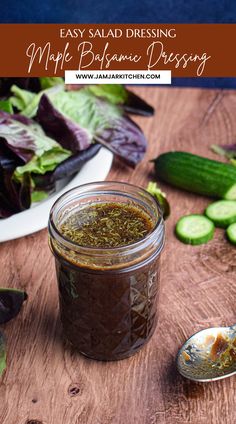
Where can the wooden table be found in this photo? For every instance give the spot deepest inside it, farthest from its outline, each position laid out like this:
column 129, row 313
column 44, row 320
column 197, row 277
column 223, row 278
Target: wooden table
column 47, row 383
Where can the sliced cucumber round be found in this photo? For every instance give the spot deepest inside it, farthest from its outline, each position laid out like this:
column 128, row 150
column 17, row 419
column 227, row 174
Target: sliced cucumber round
column 194, row 229
column 231, row 233
column 222, row 212
column 231, row 193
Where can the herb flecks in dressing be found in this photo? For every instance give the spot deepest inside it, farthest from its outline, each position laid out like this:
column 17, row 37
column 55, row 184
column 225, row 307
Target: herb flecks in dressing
column 107, row 225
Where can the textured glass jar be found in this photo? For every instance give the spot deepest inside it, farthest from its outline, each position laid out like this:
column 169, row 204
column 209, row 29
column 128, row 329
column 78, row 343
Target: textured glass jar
column 108, row 296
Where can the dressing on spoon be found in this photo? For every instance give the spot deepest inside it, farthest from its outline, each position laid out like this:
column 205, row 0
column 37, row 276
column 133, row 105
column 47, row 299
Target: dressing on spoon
column 209, row 355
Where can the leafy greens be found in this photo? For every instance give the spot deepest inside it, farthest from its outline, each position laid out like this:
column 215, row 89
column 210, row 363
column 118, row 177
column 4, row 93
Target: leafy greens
column 14, row 196
column 117, row 94
column 57, row 129
column 78, row 118
column 11, row 301
column 26, row 139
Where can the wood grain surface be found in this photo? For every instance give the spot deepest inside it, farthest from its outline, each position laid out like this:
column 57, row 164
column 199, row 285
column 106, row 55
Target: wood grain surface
column 46, row 382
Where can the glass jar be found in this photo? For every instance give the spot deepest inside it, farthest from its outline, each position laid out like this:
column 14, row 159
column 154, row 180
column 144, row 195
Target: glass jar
column 108, row 296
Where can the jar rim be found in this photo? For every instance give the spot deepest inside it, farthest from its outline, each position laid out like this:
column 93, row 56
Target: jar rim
column 54, row 231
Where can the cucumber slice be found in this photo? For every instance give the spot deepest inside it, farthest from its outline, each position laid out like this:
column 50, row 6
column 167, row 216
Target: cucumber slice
column 231, row 193
column 231, row 233
column 222, row 212
column 194, row 229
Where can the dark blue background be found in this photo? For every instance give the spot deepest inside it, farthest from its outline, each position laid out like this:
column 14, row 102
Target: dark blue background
column 126, row 11
column 120, row 11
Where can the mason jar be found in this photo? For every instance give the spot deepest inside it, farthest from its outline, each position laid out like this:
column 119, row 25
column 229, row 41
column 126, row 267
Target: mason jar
column 108, row 296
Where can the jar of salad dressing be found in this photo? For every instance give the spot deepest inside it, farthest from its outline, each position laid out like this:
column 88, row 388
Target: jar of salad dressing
column 107, row 238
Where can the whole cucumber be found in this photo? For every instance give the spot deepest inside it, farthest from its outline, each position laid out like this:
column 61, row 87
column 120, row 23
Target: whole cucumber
column 197, row 174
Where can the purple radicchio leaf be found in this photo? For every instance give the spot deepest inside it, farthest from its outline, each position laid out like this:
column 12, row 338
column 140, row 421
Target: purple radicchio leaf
column 25, row 137
column 14, row 197
column 11, row 301
column 73, row 164
column 137, row 106
column 58, row 126
column 78, row 117
column 125, row 139
column 15, row 136
column 67, row 168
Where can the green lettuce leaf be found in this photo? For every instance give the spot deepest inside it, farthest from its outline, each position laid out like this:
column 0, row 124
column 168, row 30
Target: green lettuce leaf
column 6, row 106
column 118, row 95
column 27, row 139
column 27, row 102
column 38, row 196
column 48, row 82
column 83, row 108
column 114, row 93
column 22, row 98
column 47, row 161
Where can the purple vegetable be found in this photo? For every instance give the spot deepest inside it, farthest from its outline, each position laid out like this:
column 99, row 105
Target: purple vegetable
column 73, row 164
column 66, row 168
column 15, row 137
column 69, row 134
column 11, row 301
column 125, row 139
column 105, row 124
column 134, row 104
column 14, row 197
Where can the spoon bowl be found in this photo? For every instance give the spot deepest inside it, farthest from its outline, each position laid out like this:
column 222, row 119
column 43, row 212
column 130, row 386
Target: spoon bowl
column 209, row 355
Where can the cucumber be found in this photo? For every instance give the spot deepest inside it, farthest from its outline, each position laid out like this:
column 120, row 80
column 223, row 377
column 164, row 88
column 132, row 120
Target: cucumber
column 194, row 229
column 222, row 212
column 197, row 174
column 231, row 233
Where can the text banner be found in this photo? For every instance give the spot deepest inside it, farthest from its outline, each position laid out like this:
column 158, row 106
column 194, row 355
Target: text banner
column 187, row 50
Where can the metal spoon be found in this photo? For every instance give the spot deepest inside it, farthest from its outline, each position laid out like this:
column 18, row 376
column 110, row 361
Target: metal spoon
column 209, row 354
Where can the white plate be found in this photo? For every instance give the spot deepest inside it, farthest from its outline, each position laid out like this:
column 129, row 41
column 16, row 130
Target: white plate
column 36, row 218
